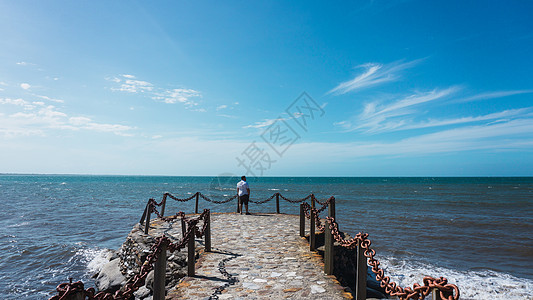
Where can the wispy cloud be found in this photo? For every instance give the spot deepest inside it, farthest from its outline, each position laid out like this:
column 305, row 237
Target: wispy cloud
column 24, row 63
column 264, row 123
column 223, row 106
column 184, row 96
column 130, row 84
column 492, row 95
column 37, row 117
column 509, row 135
column 373, row 74
column 25, row 86
column 376, row 116
column 406, row 113
column 49, row 99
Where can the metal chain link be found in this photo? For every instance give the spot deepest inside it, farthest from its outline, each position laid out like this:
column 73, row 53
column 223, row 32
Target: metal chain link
column 181, row 200
column 294, row 201
column 264, row 201
column 217, row 202
column 66, row 289
column 447, row 291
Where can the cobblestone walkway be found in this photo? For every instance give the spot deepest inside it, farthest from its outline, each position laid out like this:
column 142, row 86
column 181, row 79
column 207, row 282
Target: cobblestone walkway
column 264, row 257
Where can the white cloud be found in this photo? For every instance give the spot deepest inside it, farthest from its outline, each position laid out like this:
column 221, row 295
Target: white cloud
column 24, row 63
column 49, row 99
column 374, row 74
column 500, row 136
column 129, row 83
column 262, row 124
column 179, row 95
column 492, row 95
column 25, row 86
column 376, row 116
column 223, row 106
column 37, row 118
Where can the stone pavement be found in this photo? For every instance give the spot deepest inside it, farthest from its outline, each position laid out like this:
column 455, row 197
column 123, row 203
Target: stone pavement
column 261, row 256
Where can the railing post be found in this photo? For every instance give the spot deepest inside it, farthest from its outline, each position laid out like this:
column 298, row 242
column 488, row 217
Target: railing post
column 328, row 241
column 312, row 238
column 360, row 273
column 331, row 208
column 208, row 232
column 302, row 220
column 191, row 252
column 160, row 268
column 163, row 204
column 277, row 203
column 148, row 212
column 144, row 213
column 183, row 228
column 328, row 250
column 197, row 198
column 436, row 294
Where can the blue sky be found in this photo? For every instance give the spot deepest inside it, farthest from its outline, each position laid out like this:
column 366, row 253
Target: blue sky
column 299, row 88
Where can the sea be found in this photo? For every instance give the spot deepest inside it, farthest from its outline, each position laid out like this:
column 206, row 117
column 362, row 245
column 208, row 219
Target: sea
column 476, row 231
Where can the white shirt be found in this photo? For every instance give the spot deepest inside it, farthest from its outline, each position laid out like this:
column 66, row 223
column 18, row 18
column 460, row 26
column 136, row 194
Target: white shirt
column 243, row 187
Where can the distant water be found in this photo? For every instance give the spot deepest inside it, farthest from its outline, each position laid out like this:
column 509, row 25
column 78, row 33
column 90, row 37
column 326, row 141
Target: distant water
column 477, row 232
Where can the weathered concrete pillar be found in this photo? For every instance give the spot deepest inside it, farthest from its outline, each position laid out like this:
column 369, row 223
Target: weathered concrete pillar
column 302, row 220
column 312, row 237
column 360, row 279
column 208, row 233
column 277, row 203
column 197, row 199
column 160, row 268
column 191, row 252
column 163, row 204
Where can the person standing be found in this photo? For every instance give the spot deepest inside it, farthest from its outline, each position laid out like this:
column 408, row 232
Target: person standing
column 243, row 193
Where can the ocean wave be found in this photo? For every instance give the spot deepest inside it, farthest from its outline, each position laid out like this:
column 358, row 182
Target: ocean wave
column 94, row 258
column 473, row 284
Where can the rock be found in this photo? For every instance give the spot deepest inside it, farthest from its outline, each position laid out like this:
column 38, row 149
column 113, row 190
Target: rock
column 150, row 280
column 142, row 293
column 316, row 289
column 110, row 278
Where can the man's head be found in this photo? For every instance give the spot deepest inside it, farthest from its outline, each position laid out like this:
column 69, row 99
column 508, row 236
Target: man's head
column 243, row 178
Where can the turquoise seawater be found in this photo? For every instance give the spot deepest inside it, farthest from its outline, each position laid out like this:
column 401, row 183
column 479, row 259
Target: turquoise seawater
column 477, row 232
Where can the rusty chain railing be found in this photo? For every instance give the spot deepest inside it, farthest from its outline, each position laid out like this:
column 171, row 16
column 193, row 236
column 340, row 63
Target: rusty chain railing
column 65, row 290
column 440, row 286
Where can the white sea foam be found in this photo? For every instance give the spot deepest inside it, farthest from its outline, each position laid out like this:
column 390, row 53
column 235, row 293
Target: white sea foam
column 19, row 224
column 483, row 284
column 95, row 258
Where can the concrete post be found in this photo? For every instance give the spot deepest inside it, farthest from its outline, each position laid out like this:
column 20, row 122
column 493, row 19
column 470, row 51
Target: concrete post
column 197, row 199
column 360, row 274
column 312, row 238
column 163, row 204
column 277, row 203
column 160, row 269
column 208, row 233
column 328, row 253
column 436, row 294
column 302, row 220
column 148, row 212
column 191, row 253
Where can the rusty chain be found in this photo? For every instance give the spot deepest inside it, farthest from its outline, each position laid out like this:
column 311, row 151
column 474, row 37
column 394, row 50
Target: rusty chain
column 181, row 200
column 126, row 292
column 294, row 201
column 447, row 291
column 217, row 202
column 264, row 201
